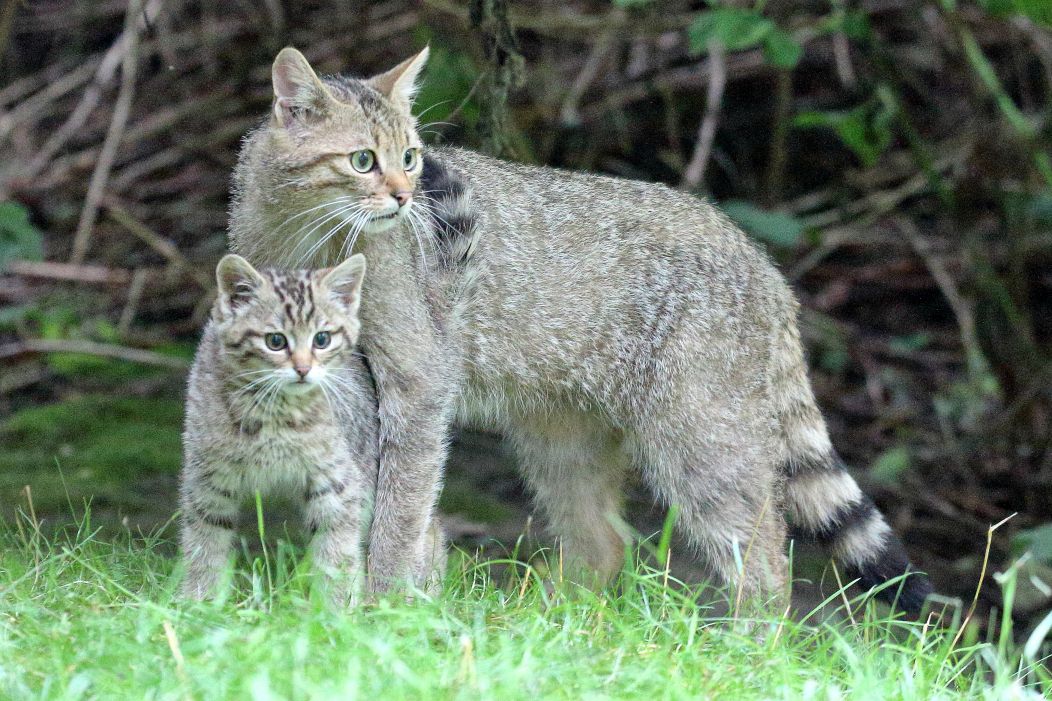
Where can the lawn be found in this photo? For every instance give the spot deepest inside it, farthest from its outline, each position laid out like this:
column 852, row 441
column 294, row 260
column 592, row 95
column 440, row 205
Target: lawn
column 84, row 616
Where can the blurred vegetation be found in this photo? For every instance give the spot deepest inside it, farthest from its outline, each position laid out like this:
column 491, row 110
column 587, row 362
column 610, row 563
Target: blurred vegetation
column 893, row 156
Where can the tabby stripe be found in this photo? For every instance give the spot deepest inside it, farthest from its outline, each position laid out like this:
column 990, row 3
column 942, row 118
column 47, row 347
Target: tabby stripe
column 241, row 341
column 333, row 487
column 846, row 517
column 225, row 493
column 215, row 520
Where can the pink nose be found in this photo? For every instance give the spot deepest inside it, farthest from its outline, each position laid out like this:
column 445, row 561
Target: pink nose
column 302, row 370
column 403, row 196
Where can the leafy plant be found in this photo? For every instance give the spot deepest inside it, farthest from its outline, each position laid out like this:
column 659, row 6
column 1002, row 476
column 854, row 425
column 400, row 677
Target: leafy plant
column 891, row 464
column 866, row 129
column 776, row 228
column 19, row 239
column 1039, row 11
column 1038, row 541
column 739, row 28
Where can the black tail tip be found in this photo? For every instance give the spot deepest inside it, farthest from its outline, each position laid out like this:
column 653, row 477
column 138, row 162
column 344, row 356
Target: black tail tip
column 908, row 593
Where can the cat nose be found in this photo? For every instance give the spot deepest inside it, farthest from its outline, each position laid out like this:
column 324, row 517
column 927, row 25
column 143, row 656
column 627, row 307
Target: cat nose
column 402, row 197
column 301, row 370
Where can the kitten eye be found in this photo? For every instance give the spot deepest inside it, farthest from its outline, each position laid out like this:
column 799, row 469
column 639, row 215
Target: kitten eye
column 276, row 341
column 322, row 339
column 363, row 161
column 410, row 158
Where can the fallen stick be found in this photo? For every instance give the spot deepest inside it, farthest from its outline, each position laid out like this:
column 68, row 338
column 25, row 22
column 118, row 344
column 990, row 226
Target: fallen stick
column 68, row 272
column 104, row 350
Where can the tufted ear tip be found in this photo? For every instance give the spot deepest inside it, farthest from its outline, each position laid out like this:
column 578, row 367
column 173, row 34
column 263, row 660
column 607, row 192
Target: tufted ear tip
column 298, row 90
column 400, row 83
column 237, row 280
column 345, row 280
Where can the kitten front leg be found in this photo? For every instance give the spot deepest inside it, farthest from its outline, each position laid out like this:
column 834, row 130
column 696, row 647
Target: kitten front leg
column 207, row 539
column 334, row 515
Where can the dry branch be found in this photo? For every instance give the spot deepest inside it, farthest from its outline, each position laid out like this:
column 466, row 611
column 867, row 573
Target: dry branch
column 32, row 346
column 121, row 111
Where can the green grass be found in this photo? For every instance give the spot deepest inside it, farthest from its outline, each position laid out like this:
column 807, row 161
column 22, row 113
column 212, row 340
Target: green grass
column 91, row 447
column 86, row 618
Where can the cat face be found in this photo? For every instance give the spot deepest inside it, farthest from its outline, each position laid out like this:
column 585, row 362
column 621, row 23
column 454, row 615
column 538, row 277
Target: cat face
column 287, row 333
column 344, row 152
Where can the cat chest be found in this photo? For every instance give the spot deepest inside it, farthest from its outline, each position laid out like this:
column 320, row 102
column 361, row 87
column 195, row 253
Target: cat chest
column 280, row 461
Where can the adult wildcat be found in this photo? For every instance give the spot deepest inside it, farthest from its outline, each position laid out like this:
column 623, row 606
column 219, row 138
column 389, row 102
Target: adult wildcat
column 602, row 325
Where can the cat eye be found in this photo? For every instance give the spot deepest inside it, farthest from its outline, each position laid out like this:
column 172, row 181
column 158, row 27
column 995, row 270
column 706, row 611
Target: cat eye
column 410, row 158
column 322, row 339
column 363, row 161
column 276, row 341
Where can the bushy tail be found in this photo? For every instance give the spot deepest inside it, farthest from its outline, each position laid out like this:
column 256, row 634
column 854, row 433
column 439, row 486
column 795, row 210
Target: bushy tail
column 824, row 502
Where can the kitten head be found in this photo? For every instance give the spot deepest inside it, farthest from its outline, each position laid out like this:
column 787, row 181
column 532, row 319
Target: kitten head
column 343, row 151
column 286, row 332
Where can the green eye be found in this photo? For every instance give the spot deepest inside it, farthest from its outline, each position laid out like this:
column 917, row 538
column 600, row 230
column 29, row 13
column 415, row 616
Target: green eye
column 276, row 341
column 363, row 161
column 322, row 339
column 410, row 158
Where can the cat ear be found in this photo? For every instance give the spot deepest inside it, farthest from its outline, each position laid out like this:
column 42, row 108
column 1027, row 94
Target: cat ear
column 399, row 83
column 345, row 281
column 298, row 91
column 237, row 280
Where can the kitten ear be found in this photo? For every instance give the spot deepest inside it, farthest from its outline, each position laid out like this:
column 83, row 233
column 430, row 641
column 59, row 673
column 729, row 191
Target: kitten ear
column 238, row 281
column 298, row 91
column 345, row 281
column 399, row 83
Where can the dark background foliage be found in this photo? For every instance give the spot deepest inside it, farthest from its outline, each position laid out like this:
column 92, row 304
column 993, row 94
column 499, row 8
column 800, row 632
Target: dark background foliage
column 892, row 155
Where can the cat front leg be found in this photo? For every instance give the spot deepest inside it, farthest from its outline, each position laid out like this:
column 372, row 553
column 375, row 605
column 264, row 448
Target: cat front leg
column 415, row 418
column 209, row 517
column 334, row 514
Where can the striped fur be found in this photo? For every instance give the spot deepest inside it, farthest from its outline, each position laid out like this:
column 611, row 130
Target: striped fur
column 823, row 501
column 602, row 325
column 253, row 423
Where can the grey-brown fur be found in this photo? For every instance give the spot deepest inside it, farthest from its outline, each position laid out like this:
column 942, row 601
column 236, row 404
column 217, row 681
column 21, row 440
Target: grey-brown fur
column 254, row 423
column 602, row 325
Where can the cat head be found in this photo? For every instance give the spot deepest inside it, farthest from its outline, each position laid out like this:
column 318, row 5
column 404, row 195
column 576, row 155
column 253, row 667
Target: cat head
column 289, row 332
column 347, row 147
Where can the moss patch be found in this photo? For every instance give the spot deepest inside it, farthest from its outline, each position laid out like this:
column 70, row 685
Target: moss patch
column 119, row 453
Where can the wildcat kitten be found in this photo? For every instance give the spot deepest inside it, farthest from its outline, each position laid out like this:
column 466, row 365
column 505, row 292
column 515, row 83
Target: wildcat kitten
column 602, row 325
column 278, row 400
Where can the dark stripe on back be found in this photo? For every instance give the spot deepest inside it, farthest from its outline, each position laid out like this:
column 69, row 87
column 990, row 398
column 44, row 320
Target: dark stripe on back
column 441, row 189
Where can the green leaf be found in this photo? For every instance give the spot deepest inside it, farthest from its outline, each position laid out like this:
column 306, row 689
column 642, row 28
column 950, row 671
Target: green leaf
column 891, row 464
column 910, row 342
column 1038, row 10
column 733, row 27
column 781, row 50
column 776, row 228
column 19, row 239
column 855, row 25
column 1037, row 540
column 866, row 129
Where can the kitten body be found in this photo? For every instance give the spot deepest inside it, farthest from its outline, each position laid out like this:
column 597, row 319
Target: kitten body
column 602, row 325
column 289, row 419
